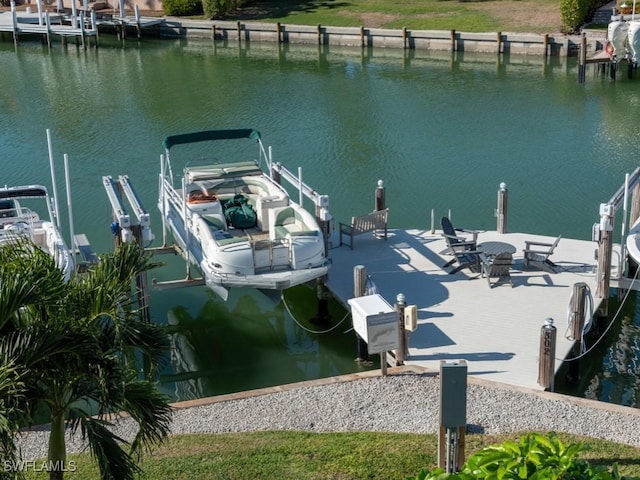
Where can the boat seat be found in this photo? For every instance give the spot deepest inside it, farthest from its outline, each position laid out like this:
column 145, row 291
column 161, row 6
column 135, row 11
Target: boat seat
column 215, row 221
column 289, row 221
column 7, row 209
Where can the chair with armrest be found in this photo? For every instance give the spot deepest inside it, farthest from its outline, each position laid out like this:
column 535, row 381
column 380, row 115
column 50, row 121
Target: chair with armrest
column 538, row 253
column 455, row 242
column 470, row 259
column 498, row 267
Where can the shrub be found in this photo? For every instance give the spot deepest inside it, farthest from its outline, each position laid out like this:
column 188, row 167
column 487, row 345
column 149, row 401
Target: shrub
column 573, row 14
column 221, row 8
column 182, row 8
column 535, row 456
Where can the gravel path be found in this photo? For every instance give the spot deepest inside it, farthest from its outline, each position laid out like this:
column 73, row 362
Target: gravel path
column 404, row 401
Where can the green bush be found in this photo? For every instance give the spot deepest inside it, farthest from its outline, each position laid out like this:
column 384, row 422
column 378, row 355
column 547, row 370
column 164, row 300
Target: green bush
column 573, row 14
column 534, row 457
column 182, row 8
column 221, row 8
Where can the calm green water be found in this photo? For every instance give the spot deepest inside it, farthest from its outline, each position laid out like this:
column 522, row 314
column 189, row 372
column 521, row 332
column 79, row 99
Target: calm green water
column 441, row 130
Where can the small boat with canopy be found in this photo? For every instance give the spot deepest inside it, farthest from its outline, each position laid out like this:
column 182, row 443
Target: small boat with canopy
column 232, row 220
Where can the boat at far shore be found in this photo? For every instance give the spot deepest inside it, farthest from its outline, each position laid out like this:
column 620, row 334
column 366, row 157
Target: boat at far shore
column 236, row 224
column 20, row 221
column 623, row 38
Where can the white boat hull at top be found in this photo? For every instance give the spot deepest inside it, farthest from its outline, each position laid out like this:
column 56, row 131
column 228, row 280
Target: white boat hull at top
column 19, row 221
column 633, row 242
column 238, row 226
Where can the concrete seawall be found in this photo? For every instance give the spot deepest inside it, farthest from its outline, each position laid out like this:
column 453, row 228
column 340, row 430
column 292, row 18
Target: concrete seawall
column 442, row 40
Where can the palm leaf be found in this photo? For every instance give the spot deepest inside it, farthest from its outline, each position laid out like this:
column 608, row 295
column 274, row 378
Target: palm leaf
column 151, row 411
column 113, row 460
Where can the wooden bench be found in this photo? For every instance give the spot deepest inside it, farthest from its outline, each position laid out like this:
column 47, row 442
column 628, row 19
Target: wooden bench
column 375, row 222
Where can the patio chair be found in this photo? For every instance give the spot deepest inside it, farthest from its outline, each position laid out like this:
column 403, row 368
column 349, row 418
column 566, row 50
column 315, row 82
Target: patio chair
column 456, row 242
column 538, row 253
column 465, row 259
column 498, row 267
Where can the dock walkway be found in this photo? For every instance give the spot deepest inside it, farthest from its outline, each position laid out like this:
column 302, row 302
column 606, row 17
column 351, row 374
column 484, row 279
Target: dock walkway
column 495, row 330
column 36, row 24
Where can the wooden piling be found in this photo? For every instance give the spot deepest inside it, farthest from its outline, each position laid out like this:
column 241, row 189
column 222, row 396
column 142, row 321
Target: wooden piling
column 605, row 247
column 453, row 40
column 501, row 213
column 547, row 359
column 578, row 302
column 582, row 59
column 499, row 42
column 380, row 199
column 279, row 32
column 362, row 39
column 577, row 321
column 359, row 290
column 322, row 297
column 401, row 352
column 319, row 34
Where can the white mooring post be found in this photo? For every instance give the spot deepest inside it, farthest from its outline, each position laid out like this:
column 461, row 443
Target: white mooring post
column 501, row 212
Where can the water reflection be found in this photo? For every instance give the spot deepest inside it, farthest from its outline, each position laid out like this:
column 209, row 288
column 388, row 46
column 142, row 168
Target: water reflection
column 252, row 342
column 611, row 373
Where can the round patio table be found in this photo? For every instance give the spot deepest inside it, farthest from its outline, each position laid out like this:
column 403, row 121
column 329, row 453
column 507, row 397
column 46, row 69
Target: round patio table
column 491, row 249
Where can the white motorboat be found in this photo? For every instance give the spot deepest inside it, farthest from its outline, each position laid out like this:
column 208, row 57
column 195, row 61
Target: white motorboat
column 236, row 224
column 19, row 220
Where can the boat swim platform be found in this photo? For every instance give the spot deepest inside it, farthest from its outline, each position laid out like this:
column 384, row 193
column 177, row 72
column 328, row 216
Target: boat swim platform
column 495, row 330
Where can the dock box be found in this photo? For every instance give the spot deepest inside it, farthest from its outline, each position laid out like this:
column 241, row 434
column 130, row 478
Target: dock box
column 376, row 322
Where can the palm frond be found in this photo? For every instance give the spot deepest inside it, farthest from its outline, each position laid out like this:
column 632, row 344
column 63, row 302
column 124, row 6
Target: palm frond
column 151, row 411
column 11, row 396
column 28, row 277
column 106, row 448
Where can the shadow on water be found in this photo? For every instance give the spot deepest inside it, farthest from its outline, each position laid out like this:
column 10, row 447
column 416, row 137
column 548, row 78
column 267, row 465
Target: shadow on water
column 253, row 342
column 610, row 372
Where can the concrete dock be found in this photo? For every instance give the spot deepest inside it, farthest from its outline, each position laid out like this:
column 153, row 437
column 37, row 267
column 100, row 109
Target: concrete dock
column 495, row 330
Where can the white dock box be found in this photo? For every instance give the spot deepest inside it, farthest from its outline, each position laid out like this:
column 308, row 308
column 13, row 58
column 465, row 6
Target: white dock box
column 376, row 322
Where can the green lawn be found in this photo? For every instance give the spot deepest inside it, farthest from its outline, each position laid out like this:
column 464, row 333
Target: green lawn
column 535, row 16
column 301, row 455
